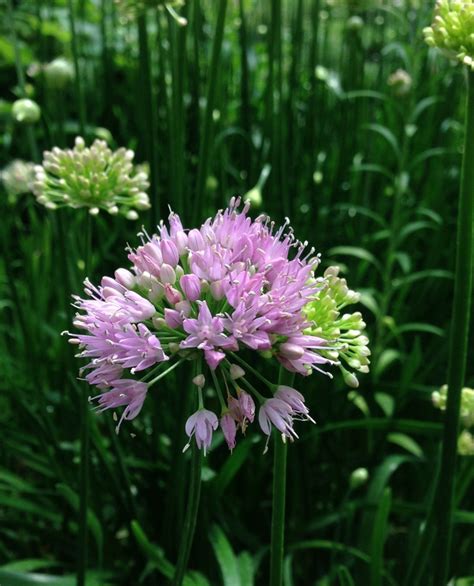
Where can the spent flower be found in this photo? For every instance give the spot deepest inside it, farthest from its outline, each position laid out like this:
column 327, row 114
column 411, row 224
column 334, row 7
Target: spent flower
column 92, row 177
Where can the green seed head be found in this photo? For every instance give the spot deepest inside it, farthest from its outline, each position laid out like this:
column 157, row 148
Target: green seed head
column 94, row 177
column 452, row 30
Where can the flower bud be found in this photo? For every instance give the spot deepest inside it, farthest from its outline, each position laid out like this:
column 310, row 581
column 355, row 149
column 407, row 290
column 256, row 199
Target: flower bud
column 167, row 274
column 169, row 252
column 195, row 240
column 191, row 286
column 26, row 111
column 125, row 278
column 199, row 381
column 358, row 477
column 291, row 351
column 236, row 372
column 58, row 73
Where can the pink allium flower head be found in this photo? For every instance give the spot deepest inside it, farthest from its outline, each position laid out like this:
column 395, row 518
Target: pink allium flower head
column 233, row 284
column 229, row 430
column 201, row 425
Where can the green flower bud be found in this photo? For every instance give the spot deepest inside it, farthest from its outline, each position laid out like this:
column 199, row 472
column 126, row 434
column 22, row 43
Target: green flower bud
column 26, row 111
column 358, row 477
column 354, row 23
column 59, row 73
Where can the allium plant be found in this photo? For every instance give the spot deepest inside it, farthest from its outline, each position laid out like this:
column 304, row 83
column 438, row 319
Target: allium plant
column 92, row 177
column 452, row 30
column 229, row 288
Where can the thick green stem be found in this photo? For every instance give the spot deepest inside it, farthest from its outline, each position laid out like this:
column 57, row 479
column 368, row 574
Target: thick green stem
column 457, row 349
column 77, row 72
column 191, row 515
column 279, row 493
column 205, row 145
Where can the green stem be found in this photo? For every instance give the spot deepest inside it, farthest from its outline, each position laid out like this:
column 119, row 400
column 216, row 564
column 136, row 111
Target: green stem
column 30, row 133
column 205, row 145
column 457, row 350
column 77, row 77
column 191, row 514
column 84, row 439
column 279, row 492
column 148, row 117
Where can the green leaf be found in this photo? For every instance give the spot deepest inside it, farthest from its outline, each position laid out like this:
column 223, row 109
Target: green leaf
column 226, row 558
column 379, row 536
column 344, row 577
column 419, row 328
column 246, row 569
column 387, row 135
column 356, row 252
column 92, row 521
column 386, row 403
column 407, row 443
column 386, row 359
column 29, row 565
column 420, row 275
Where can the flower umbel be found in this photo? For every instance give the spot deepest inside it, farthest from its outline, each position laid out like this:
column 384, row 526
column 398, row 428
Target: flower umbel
column 452, row 30
column 92, row 177
column 232, row 285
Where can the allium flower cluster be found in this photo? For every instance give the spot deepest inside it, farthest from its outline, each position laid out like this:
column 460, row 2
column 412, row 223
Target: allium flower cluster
column 92, row 177
column 17, row 178
column 452, row 30
column 344, row 332
column 466, row 438
column 208, row 295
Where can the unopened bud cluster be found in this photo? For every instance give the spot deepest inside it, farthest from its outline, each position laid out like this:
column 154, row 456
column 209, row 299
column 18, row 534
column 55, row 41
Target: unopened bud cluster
column 93, row 177
column 344, row 333
column 466, row 438
column 452, row 30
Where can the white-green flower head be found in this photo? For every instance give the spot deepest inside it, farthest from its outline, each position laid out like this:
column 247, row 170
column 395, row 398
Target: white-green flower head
column 440, row 398
column 344, row 333
column 17, row 178
column 59, row 73
column 92, row 177
column 466, row 443
column 452, row 30
column 401, row 82
column 25, row 111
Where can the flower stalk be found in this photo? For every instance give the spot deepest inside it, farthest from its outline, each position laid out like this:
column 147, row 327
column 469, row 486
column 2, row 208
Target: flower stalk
column 279, row 496
column 444, row 504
